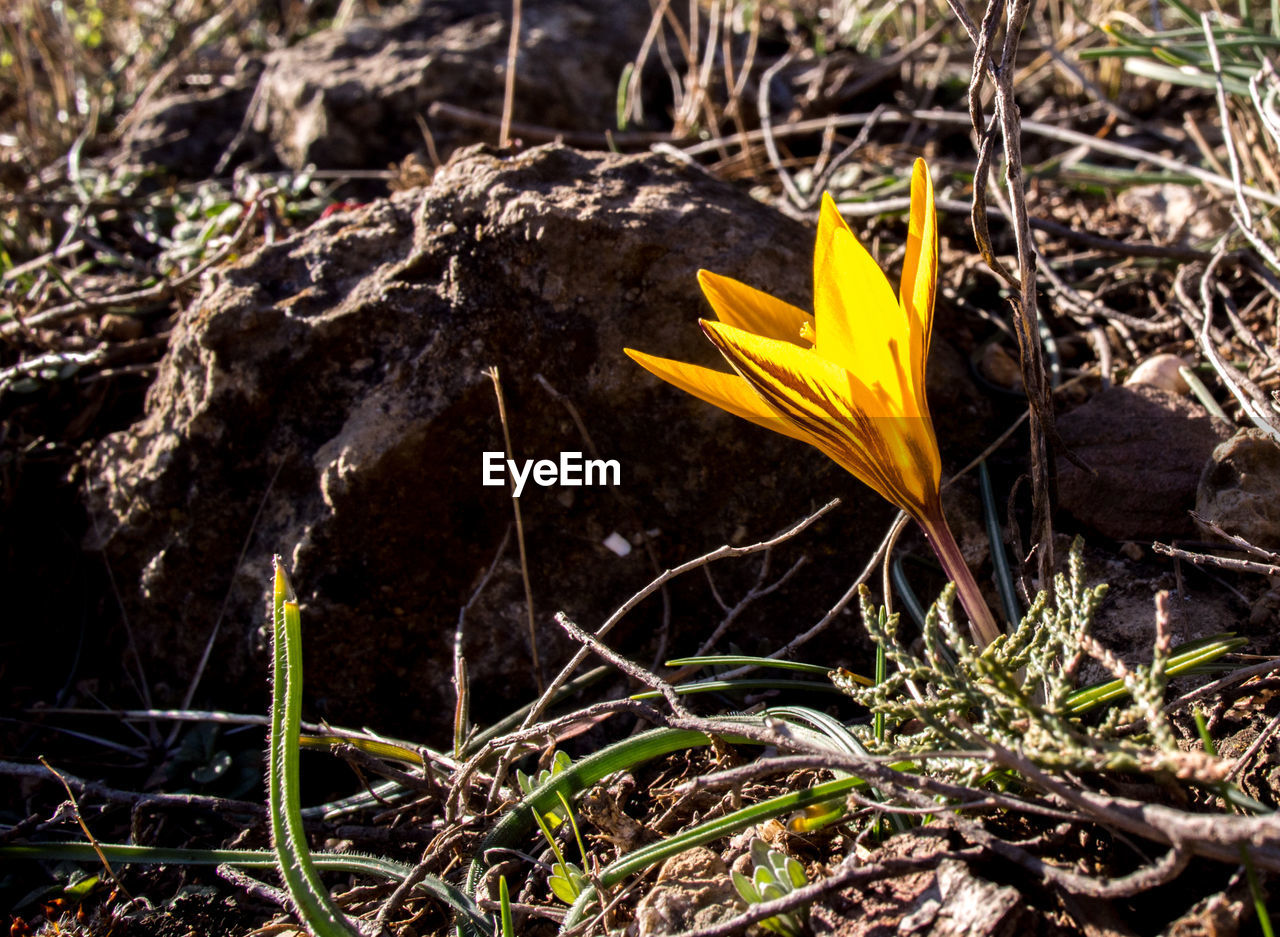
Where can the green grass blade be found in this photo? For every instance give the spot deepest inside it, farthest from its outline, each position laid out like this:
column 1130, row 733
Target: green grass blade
column 902, row 586
column 623, row 97
column 882, row 673
column 389, row 751
column 1257, row 894
column 1203, row 394
column 742, row 819
column 648, row 856
column 729, row 686
column 504, row 900
column 999, row 558
column 1159, row 71
column 1185, row 658
column 743, row 660
column 1190, row 15
column 310, row 898
column 843, row 739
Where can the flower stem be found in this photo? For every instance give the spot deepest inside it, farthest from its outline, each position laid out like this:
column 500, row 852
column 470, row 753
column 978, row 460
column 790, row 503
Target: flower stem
column 982, row 626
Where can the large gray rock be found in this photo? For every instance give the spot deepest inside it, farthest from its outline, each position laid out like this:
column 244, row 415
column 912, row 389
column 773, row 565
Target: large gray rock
column 1144, row 449
column 356, row 97
column 188, row 133
column 336, row 380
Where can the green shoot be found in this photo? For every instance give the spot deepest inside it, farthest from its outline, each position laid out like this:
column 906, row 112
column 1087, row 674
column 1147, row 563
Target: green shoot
column 774, row 875
column 625, row 103
column 999, row 559
column 573, row 824
column 1258, row 895
column 737, row 660
column 559, row 763
column 310, row 899
column 566, row 879
column 504, row 908
column 1202, row 729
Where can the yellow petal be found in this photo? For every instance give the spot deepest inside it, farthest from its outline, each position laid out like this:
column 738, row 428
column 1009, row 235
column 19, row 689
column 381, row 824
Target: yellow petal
column 726, row 391
column 857, row 426
column 859, row 322
column 920, row 272
column 750, row 309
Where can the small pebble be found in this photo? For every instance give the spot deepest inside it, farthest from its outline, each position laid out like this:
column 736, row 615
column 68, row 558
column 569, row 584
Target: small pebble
column 118, row 328
column 618, row 543
column 1161, row 371
column 1000, row 368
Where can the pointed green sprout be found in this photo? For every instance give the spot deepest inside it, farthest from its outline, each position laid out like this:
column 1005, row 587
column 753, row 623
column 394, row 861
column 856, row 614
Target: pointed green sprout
column 307, row 892
column 567, row 879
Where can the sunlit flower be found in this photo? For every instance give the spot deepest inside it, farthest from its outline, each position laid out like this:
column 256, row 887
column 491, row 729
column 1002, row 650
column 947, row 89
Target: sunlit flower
column 850, row 379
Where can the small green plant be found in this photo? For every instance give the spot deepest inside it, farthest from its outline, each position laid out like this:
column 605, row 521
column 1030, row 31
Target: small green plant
column 1019, row 693
column 207, row 761
column 307, row 893
column 567, row 880
column 773, row 875
column 1183, row 54
column 559, row 763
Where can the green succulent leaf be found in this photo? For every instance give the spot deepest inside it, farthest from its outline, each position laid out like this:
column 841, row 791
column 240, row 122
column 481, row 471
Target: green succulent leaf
column 746, row 887
column 774, row 875
column 566, row 881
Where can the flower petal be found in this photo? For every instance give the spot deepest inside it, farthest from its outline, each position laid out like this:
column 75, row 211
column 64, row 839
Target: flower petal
column 727, row 391
column 920, row 272
column 859, row 322
column 856, row 425
column 750, row 309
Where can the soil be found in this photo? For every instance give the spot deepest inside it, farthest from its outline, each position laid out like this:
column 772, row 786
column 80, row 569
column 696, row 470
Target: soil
column 250, row 290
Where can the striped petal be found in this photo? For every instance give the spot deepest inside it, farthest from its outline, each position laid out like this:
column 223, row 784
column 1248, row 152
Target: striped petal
column 858, row 319
column 750, row 309
column 726, row 391
column 859, row 427
column 920, row 274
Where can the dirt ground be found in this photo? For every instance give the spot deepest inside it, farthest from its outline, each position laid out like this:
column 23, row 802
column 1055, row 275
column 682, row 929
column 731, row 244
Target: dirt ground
column 189, row 198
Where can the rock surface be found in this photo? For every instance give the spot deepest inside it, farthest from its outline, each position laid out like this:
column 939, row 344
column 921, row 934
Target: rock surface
column 335, row 382
column 1173, row 213
column 1146, row 449
column 1240, row 488
column 949, row 901
column 188, row 133
column 358, row 97
column 693, row 890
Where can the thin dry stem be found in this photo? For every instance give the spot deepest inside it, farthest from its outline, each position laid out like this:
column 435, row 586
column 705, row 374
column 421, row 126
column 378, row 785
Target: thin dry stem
column 509, row 84
column 524, row 557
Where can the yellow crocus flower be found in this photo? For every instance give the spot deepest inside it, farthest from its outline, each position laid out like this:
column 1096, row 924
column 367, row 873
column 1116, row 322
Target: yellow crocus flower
column 850, row 379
